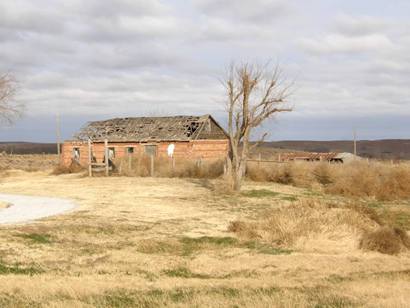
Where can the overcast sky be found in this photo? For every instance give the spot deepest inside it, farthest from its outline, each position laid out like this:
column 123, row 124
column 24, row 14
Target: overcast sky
column 99, row 59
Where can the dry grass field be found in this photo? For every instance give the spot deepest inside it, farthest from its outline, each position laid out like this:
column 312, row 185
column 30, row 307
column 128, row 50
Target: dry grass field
column 28, row 162
column 150, row 242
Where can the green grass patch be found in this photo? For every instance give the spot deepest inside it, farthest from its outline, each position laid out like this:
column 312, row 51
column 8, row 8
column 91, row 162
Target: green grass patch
column 227, row 292
column 396, row 218
column 266, row 249
column 334, row 278
column 213, row 240
column 121, row 298
column 259, row 193
column 186, row 246
column 330, row 301
column 183, row 272
column 192, row 244
column 192, row 297
column 402, row 220
column 375, row 204
column 36, row 238
column 312, row 193
column 116, row 298
column 290, row 198
column 17, row 269
column 322, row 297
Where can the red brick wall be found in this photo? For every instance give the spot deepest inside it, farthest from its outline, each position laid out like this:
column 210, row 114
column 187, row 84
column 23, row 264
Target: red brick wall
column 204, row 149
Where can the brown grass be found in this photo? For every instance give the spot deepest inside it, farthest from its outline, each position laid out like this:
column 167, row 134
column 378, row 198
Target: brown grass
column 308, row 224
column 154, row 242
column 183, row 168
column 378, row 180
column 74, row 167
column 29, row 162
column 385, row 240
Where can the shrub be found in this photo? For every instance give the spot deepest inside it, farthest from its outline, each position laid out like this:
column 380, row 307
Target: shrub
column 378, row 180
column 322, row 174
column 315, row 221
column 28, row 162
column 237, row 226
column 74, row 167
column 385, row 240
column 163, row 167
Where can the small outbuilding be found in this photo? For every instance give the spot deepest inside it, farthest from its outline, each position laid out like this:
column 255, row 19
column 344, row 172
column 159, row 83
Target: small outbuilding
column 188, row 137
column 334, row 157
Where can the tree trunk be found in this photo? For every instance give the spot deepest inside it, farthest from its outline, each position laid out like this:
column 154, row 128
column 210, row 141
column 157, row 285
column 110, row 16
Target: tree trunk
column 233, row 173
column 237, row 180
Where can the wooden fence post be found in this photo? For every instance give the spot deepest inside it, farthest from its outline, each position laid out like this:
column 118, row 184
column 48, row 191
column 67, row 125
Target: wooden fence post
column 259, row 160
column 90, row 167
column 107, row 165
column 152, row 165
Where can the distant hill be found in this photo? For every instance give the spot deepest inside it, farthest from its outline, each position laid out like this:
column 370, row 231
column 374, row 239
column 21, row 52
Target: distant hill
column 28, row 148
column 382, row 149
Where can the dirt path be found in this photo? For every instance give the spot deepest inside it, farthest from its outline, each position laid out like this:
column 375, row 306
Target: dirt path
column 28, row 208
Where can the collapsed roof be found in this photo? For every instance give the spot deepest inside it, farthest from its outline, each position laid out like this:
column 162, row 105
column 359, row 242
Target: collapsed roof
column 146, row 129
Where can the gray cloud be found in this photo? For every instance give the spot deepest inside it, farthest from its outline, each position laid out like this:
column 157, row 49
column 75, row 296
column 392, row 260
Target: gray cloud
column 336, row 43
column 360, row 25
column 97, row 58
column 24, row 16
column 256, row 11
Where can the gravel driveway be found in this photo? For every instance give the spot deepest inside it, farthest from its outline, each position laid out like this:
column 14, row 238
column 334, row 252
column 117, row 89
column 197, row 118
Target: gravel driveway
column 27, row 208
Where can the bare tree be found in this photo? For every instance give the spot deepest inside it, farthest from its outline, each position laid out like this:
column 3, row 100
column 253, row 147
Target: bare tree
column 9, row 110
column 255, row 94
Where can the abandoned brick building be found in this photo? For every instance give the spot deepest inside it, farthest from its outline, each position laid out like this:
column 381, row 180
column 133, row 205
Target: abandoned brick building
column 189, row 137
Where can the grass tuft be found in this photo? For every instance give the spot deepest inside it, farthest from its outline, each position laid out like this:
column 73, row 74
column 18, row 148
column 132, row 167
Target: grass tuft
column 259, row 193
column 74, row 167
column 289, row 198
column 385, row 240
column 305, row 219
column 17, row 269
column 266, row 249
column 184, row 272
column 36, row 238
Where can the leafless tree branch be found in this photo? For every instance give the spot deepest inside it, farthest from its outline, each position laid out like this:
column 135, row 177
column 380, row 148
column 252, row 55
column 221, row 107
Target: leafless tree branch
column 9, row 110
column 255, row 94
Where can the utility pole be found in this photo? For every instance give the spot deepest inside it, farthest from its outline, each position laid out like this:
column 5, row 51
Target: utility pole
column 354, row 142
column 58, row 134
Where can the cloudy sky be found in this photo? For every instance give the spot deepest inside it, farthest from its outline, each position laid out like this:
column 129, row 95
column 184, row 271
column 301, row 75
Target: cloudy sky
column 97, row 59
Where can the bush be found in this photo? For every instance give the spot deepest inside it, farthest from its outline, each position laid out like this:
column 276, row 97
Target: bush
column 385, row 240
column 323, row 174
column 306, row 219
column 28, row 162
column 356, row 179
column 74, row 167
column 183, row 168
